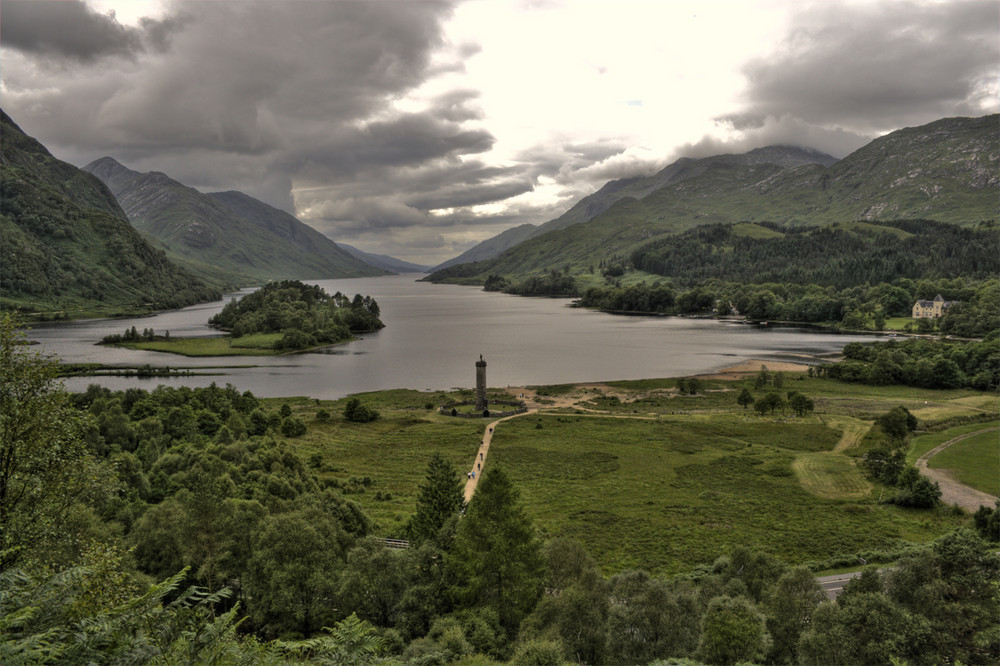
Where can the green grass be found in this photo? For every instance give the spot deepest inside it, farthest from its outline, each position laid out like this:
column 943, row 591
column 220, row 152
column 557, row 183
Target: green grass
column 668, row 495
column 690, row 480
column 830, row 475
column 975, row 461
column 924, row 443
column 217, row 346
column 255, row 341
column 257, row 344
column 897, row 323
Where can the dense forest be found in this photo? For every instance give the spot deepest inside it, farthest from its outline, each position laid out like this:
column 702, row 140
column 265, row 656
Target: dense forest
column 926, row 363
column 840, row 256
column 305, row 314
column 182, row 526
column 976, row 313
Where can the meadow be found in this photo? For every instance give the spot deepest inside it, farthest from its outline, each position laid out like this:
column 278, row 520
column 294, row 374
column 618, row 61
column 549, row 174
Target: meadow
column 974, row 461
column 254, row 344
column 645, row 477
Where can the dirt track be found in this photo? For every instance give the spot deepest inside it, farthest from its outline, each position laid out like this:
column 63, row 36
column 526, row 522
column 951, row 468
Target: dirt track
column 953, row 492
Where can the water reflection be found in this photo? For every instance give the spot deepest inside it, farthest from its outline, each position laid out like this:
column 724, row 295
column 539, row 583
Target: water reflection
column 434, row 334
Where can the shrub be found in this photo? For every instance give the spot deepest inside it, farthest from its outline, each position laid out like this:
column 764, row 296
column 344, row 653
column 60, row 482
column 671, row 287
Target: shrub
column 356, row 412
column 292, row 427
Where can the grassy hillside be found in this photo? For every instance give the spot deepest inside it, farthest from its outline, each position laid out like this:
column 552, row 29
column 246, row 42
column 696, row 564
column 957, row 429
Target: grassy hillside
column 945, row 171
column 229, row 233
column 645, row 477
column 68, row 249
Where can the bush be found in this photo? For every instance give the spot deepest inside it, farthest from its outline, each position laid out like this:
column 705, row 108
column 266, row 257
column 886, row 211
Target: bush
column 538, row 653
column 356, row 412
column 292, row 427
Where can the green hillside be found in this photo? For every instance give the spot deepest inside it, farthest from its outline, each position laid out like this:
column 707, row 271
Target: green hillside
column 229, row 232
column 945, row 171
column 68, row 249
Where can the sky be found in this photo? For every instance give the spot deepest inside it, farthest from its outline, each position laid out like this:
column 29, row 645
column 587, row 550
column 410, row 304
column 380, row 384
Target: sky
column 420, row 128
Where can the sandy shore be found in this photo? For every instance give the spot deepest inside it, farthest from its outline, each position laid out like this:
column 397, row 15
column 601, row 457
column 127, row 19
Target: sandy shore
column 741, row 370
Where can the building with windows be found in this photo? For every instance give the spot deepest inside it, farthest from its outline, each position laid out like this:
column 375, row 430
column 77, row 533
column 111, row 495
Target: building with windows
column 931, row 309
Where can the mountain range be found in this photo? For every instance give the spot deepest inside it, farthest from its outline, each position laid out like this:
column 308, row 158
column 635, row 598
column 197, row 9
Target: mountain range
column 68, row 249
column 227, row 233
column 948, row 171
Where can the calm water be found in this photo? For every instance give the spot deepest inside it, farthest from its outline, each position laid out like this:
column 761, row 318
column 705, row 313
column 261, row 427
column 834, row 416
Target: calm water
column 433, row 336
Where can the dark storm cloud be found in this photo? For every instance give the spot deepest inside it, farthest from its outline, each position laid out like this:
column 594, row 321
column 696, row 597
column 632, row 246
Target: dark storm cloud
column 256, row 95
column 876, row 67
column 71, row 30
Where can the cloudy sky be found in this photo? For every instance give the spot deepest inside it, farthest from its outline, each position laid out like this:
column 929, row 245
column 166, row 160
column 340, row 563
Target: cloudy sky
column 419, row 128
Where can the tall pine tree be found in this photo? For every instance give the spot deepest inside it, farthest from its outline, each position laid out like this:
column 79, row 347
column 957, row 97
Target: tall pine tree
column 497, row 557
column 439, row 499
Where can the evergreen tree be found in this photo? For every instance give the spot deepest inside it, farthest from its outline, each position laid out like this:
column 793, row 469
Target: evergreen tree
column 497, row 556
column 439, row 499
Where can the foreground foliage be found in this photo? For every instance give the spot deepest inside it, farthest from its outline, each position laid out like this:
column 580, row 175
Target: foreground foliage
column 264, row 560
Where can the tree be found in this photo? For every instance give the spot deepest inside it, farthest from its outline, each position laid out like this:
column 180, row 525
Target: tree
column 745, row 398
column 801, row 404
column 952, row 586
column 440, row 497
column 291, row 580
column 790, row 606
column 987, row 522
column 771, row 401
column 650, row 619
column 897, row 423
column 373, row 582
column 577, row 609
column 732, row 631
column 496, row 555
column 356, row 412
column 44, row 466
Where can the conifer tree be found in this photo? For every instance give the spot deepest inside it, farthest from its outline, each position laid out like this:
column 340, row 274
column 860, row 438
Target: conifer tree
column 497, row 556
column 439, row 499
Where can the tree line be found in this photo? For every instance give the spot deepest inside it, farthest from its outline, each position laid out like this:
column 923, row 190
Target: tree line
column 181, row 525
column 839, row 256
column 865, row 307
column 926, row 363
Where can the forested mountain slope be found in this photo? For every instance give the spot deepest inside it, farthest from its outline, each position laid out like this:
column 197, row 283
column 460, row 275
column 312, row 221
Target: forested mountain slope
column 636, row 187
column 945, row 171
column 67, row 246
column 229, row 231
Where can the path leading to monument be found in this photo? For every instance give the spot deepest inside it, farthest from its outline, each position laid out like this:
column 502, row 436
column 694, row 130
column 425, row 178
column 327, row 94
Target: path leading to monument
column 484, row 449
column 953, row 492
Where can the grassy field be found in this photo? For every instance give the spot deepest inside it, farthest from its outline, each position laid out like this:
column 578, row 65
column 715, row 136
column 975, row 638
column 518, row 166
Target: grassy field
column 257, row 344
column 646, row 478
column 975, row 461
column 924, row 443
column 217, row 346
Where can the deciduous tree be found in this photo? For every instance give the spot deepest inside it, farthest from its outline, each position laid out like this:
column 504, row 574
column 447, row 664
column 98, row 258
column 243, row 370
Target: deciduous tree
column 44, row 466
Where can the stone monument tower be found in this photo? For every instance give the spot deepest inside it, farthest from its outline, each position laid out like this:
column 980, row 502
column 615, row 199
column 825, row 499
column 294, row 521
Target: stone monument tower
column 480, row 384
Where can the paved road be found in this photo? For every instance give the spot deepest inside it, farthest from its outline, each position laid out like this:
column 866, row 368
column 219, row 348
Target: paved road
column 833, row 585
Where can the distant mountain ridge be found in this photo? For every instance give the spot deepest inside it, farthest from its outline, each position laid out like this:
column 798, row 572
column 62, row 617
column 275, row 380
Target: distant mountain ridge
column 637, row 187
column 68, row 248
column 491, row 247
column 227, row 231
column 948, row 170
column 384, row 261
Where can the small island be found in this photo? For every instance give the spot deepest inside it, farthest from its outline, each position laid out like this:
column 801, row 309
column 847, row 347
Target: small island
column 282, row 317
